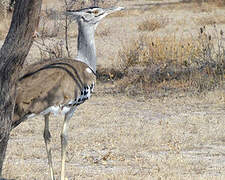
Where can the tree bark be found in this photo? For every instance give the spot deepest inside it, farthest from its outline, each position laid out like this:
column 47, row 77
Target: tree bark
column 12, row 56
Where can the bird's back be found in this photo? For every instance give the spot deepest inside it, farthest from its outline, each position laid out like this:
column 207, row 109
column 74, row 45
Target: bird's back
column 52, row 83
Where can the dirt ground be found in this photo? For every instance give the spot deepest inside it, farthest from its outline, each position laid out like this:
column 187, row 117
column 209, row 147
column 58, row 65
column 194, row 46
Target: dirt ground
column 116, row 137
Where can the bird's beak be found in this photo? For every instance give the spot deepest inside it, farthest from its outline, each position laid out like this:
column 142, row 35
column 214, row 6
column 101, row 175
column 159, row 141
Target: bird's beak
column 73, row 13
column 113, row 9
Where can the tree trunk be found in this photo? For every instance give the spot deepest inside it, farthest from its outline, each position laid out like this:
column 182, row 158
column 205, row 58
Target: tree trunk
column 12, row 56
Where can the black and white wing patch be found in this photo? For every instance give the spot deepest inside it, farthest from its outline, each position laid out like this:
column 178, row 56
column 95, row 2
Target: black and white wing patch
column 85, row 94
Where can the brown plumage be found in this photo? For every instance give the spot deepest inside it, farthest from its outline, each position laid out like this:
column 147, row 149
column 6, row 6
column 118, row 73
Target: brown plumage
column 50, row 83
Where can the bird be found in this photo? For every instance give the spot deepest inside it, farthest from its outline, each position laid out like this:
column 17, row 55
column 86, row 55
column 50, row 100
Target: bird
column 59, row 86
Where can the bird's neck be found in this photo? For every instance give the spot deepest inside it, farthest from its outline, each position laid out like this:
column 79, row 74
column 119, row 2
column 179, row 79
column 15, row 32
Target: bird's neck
column 86, row 45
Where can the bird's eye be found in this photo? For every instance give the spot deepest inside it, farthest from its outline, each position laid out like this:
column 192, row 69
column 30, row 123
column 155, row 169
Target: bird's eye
column 95, row 12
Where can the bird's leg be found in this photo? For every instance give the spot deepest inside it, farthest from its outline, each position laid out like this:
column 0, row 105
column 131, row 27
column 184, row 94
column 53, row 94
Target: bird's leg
column 64, row 135
column 47, row 138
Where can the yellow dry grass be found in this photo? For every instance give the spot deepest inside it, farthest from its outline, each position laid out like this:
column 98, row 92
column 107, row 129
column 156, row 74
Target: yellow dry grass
column 119, row 137
column 161, row 49
column 153, row 23
column 211, row 20
column 122, row 138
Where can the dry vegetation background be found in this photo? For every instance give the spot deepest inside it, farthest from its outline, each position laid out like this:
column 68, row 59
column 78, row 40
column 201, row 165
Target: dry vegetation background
column 158, row 110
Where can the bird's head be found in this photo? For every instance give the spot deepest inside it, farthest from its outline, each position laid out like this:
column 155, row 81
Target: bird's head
column 91, row 15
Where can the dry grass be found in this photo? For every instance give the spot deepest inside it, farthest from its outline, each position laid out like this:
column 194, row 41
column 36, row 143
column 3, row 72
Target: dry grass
column 50, row 24
column 127, row 13
column 177, row 136
column 170, row 63
column 4, row 27
column 212, row 2
column 105, row 31
column 122, row 138
column 190, row 5
column 153, row 23
column 203, row 21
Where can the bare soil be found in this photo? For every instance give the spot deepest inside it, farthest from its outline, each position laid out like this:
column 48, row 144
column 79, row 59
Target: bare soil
column 116, row 137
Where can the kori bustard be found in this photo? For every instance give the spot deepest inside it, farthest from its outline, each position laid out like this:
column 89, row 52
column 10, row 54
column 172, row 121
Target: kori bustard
column 60, row 85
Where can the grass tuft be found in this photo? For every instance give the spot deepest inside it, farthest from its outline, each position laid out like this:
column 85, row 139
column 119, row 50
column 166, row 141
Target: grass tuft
column 153, row 24
column 169, row 63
